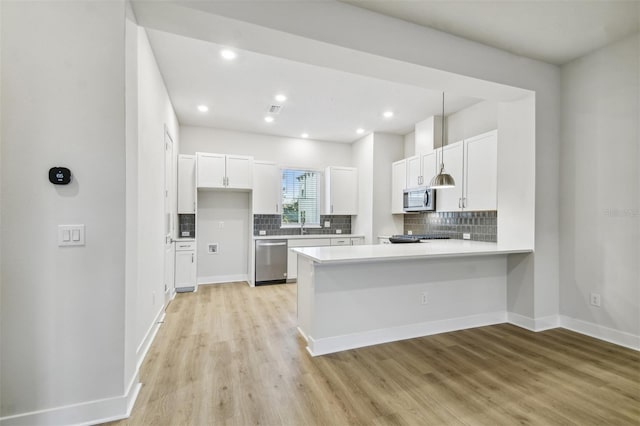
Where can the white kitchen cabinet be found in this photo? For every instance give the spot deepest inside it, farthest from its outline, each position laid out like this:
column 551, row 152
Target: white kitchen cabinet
column 398, row 182
column 414, row 171
column 429, row 164
column 185, row 266
column 357, row 241
column 345, row 241
column 186, row 184
column 473, row 164
column 224, row 171
column 481, row 172
column 449, row 199
column 341, row 190
column 266, row 188
column 292, row 257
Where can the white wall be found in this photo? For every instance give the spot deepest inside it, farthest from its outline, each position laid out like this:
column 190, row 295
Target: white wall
column 409, row 144
column 387, row 148
column 155, row 111
column 63, row 309
column 223, row 218
column 362, row 153
column 284, row 151
column 471, row 121
column 600, row 223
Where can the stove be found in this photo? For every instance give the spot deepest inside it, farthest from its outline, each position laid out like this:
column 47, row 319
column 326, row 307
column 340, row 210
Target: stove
column 416, row 238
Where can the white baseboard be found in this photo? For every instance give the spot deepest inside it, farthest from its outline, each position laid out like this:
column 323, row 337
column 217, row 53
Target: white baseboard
column 219, row 279
column 150, row 335
column 597, row 331
column 374, row 337
column 86, row 413
column 533, row 324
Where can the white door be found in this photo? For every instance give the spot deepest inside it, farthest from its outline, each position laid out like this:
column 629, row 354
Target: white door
column 210, row 170
column 449, row 199
column 169, row 225
column 239, row 171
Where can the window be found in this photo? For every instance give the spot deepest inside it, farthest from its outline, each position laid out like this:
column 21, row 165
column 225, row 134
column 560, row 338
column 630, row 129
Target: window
column 300, row 197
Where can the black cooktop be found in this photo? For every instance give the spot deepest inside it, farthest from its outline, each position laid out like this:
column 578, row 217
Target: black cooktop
column 415, row 238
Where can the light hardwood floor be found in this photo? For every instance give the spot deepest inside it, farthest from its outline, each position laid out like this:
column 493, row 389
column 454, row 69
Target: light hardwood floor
column 230, row 354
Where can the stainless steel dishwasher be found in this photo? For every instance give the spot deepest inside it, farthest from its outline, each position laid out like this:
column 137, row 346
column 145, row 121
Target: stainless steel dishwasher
column 271, row 261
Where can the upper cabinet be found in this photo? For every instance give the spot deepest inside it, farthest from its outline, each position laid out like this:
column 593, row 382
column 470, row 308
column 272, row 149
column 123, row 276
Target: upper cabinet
column 266, row 188
column 481, row 172
column 186, row 184
column 414, row 171
column 224, row 171
column 473, row 163
column 341, row 189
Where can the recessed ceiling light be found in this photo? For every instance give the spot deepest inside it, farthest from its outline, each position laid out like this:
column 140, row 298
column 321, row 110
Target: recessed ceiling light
column 305, row 135
column 360, row 131
column 281, row 98
column 203, row 108
column 388, row 114
column 228, row 54
column 268, row 119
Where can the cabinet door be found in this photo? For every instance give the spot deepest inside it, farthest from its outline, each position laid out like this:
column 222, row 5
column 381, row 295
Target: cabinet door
column 239, row 172
column 341, row 241
column 449, row 199
column 210, row 170
column 481, row 172
column 414, row 172
column 429, row 165
column 186, row 184
column 292, row 265
column 185, row 269
column 341, row 190
column 357, row 241
column 398, row 182
column 266, row 188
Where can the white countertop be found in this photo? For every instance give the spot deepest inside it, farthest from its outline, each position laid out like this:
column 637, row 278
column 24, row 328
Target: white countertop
column 382, row 252
column 305, row 236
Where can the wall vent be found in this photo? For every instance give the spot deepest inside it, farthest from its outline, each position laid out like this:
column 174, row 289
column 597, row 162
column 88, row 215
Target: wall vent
column 275, row 109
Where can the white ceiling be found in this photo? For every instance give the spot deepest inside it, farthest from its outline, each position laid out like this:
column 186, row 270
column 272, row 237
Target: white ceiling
column 551, row 31
column 327, row 104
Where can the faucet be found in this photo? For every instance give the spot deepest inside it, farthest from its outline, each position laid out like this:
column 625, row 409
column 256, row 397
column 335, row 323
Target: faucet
column 303, row 220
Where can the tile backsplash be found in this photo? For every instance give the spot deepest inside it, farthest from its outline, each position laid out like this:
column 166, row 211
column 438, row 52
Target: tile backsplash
column 187, row 223
column 271, row 224
column 482, row 225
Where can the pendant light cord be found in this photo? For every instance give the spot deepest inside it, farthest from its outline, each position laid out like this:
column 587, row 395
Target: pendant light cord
column 442, row 132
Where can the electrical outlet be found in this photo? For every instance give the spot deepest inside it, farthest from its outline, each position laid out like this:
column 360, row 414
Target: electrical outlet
column 263, row 232
column 595, row 299
column 327, row 224
column 424, row 299
column 338, row 231
column 466, row 236
column 409, row 232
column 221, row 225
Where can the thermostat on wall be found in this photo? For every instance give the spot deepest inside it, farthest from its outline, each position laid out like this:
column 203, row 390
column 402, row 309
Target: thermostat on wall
column 59, row 175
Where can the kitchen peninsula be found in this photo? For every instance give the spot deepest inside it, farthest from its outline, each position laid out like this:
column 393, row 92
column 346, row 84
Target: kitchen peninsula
column 355, row 296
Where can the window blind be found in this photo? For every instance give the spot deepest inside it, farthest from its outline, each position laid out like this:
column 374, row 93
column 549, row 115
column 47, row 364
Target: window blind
column 300, row 197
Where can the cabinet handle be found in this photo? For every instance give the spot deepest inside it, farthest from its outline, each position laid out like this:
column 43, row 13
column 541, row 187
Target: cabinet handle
column 459, row 203
column 332, row 208
column 191, row 257
column 464, row 202
column 277, row 207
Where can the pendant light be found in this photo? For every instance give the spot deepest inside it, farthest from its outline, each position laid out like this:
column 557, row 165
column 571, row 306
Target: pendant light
column 442, row 179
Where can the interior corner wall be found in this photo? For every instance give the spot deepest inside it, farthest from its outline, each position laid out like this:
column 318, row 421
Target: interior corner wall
column 387, row 148
column 63, row 309
column 471, row 121
column 154, row 113
column 600, row 183
column 362, row 153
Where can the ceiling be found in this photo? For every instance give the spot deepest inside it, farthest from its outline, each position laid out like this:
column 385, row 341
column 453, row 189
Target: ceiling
column 550, row 31
column 326, row 104
column 330, row 105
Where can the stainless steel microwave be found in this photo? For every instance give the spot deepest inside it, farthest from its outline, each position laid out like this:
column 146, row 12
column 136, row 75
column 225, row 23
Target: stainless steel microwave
column 420, row 199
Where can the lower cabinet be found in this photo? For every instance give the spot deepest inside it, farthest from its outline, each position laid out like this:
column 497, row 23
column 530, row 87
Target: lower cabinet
column 185, row 271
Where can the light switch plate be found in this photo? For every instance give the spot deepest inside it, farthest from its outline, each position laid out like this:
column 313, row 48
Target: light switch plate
column 70, row 235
